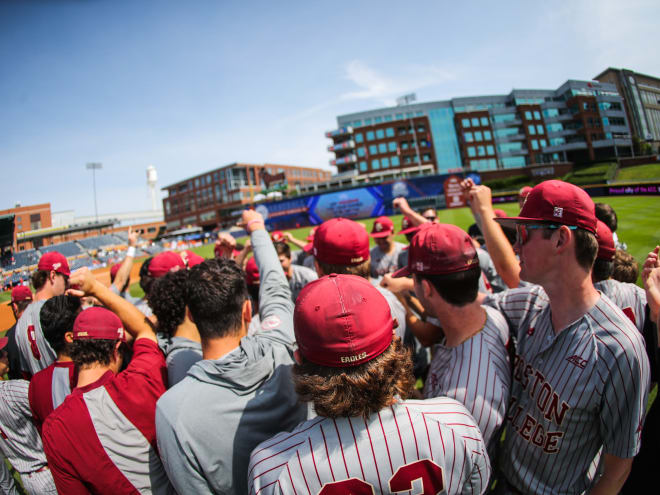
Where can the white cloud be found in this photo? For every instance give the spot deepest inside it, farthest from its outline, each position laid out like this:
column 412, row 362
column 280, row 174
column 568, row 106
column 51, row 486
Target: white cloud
column 375, row 85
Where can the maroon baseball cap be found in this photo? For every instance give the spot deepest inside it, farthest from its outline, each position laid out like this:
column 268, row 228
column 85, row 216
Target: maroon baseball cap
column 342, row 320
column 20, row 293
column 383, row 227
column 606, row 247
column 524, row 191
column 558, row 202
column 439, row 249
column 98, row 323
column 407, row 226
column 340, row 241
column 165, row 262
column 192, row 259
column 500, row 213
column 310, row 236
column 251, row 272
column 114, row 269
column 278, row 236
column 54, row 261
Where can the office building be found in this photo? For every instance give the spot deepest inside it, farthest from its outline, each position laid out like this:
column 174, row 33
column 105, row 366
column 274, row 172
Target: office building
column 578, row 122
column 641, row 98
column 215, row 197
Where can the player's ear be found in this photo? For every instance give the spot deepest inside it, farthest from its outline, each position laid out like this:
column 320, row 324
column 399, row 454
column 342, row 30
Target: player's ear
column 68, row 337
column 297, row 356
column 563, row 237
column 427, row 288
column 247, row 311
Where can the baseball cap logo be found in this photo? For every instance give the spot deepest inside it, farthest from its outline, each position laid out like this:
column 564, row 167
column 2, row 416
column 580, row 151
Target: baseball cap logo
column 120, row 333
column 419, row 266
column 558, row 212
column 352, row 359
column 378, row 227
column 56, row 265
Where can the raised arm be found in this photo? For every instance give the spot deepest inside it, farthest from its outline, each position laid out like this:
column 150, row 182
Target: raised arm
column 651, row 279
column 499, row 248
column 124, row 271
column 84, row 283
column 297, row 242
column 402, row 204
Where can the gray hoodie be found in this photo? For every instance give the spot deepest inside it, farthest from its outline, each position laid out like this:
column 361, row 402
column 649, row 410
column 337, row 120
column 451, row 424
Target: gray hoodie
column 208, row 423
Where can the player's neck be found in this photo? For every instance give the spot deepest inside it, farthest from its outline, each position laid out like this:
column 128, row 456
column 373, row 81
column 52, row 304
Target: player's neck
column 219, row 347
column 43, row 294
column 63, row 358
column 188, row 330
column 571, row 296
column 462, row 323
column 89, row 375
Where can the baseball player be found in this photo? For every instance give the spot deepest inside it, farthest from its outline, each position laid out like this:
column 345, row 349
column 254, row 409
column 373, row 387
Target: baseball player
column 629, row 297
column 471, row 364
column 50, row 386
column 102, row 438
column 50, row 279
column 297, row 275
column 366, row 438
column 581, row 375
column 241, row 392
column 385, row 254
column 19, row 439
column 181, row 342
column 120, row 273
column 21, row 298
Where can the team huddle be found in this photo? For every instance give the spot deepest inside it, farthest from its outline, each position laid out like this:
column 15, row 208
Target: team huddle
column 512, row 361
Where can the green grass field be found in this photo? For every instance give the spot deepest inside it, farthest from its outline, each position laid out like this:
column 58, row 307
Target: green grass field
column 640, row 172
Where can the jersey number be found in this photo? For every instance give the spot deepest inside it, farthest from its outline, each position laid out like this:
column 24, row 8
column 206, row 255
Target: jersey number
column 33, row 342
column 426, row 470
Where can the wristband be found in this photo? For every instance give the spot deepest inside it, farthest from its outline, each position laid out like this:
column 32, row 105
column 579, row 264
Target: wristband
column 130, row 251
column 254, row 220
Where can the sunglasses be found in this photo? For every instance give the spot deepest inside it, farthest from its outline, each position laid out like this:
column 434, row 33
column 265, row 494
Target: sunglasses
column 430, row 218
column 522, row 230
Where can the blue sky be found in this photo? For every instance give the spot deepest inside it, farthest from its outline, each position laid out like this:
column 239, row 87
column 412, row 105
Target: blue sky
column 190, row 86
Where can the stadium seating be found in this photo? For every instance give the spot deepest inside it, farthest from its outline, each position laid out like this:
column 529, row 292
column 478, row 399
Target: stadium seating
column 65, row 248
column 101, row 241
column 24, row 258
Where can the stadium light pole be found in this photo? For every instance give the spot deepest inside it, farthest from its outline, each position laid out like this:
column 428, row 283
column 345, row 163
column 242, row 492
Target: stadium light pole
column 94, row 166
column 407, row 100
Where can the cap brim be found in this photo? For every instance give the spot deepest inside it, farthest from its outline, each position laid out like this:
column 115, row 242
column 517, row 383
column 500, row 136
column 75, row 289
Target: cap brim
column 409, row 230
column 512, row 221
column 377, row 235
column 308, row 247
column 401, row 272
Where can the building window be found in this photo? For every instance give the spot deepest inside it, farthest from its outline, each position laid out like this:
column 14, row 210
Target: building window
column 373, row 149
column 421, row 128
column 468, row 137
column 389, row 132
column 375, row 164
column 361, row 152
column 367, row 121
column 531, row 129
column 404, row 145
column 539, row 129
column 475, row 122
column 370, row 135
column 378, row 120
column 395, row 161
column 484, row 121
column 490, row 150
column 465, row 123
column 385, row 162
column 363, row 166
column 426, row 157
column 399, row 116
column 359, row 138
column 380, row 134
column 487, row 136
column 478, row 136
column 471, row 152
column 382, row 148
column 481, row 151
column 535, row 144
column 388, row 118
column 391, row 146
column 505, row 117
column 537, row 115
column 543, row 143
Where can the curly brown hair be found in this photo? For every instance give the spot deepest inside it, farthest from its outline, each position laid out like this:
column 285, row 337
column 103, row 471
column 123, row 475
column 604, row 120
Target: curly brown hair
column 359, row 390
column 625, row 267
column 362, row 270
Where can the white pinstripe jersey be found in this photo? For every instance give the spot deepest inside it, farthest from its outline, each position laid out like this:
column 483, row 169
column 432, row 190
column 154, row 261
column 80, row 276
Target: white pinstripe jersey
column 432, row 444
column 19, row 439
column 630, row 298
column 476, row 373
column 572, row 394
column 35, row 352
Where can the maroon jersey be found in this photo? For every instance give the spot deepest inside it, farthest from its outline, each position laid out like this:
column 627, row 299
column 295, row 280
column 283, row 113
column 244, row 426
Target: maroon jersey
column 48, row 389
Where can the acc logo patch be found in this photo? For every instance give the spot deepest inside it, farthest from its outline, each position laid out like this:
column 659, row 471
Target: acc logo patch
column 558, row 212
column 271, row 322
column 378, row 227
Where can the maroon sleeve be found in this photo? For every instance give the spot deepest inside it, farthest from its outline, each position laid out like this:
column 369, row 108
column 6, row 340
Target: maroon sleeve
column 40, row 399
column 54, row 444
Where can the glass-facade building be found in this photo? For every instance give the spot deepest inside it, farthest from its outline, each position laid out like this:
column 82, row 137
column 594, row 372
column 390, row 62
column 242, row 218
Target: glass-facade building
column 579, row 121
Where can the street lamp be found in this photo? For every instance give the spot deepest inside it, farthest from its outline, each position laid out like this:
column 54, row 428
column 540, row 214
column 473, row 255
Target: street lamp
column 94, row 166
